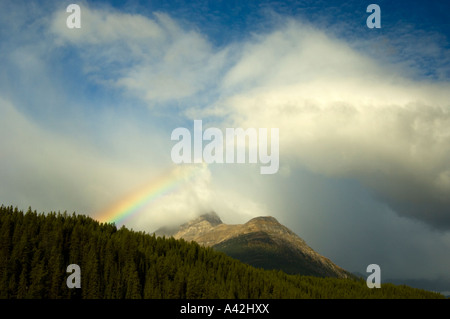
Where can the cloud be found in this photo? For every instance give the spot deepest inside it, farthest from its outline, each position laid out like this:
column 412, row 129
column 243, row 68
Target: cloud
column 68, row 156
column 342, row 114
column 51, row 172
column 155, row 59
column 188, row 197
column 70, row 149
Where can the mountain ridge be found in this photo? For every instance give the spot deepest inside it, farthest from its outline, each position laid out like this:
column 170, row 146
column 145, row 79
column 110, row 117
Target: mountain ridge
column 261, row 242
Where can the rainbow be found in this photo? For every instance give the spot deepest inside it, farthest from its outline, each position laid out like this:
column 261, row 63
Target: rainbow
column 132, row 203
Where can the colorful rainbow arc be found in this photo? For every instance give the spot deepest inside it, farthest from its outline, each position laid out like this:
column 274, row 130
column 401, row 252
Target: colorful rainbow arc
column 133, row 202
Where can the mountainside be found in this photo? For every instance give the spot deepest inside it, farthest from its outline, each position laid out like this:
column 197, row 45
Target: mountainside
column 261, row 242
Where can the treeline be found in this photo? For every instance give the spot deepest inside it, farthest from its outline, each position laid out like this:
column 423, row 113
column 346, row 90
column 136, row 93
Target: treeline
column 35, row 250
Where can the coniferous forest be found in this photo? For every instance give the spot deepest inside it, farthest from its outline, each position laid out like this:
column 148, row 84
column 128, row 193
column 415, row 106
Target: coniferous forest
column 36, row 248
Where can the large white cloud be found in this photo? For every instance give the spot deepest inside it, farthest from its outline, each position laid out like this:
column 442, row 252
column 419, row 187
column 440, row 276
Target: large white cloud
column 343, row 114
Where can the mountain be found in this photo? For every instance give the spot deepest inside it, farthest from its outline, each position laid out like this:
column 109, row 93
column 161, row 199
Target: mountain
column 36, row 249
column 261, row 242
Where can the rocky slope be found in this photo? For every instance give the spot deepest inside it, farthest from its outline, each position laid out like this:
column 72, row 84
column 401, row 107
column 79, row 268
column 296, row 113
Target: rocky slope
column 261, row 242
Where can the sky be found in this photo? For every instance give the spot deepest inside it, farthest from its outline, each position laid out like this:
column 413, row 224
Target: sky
column 86, row 117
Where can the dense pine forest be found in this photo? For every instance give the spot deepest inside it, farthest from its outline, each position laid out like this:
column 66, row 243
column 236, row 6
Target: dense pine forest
column 36, row 248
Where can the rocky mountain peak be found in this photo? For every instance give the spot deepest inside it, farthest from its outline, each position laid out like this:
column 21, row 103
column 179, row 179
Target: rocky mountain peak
column 211, row 217
column 263, row 219
column 199, row 226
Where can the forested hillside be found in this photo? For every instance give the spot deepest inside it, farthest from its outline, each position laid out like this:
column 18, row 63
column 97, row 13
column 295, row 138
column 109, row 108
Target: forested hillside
column 35, row 250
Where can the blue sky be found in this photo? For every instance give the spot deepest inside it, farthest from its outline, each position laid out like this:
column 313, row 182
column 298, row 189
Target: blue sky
column 86, row 116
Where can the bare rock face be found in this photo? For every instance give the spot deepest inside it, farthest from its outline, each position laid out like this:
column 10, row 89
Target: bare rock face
column 198, row 227
column 261, row 242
